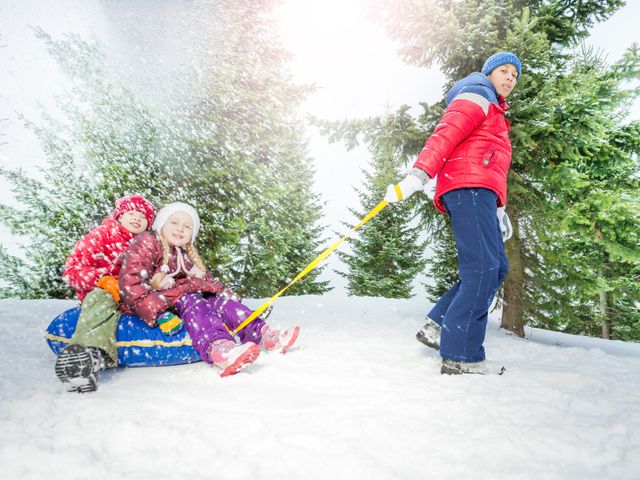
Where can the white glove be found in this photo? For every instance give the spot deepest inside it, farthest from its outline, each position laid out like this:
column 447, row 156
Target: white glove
column 505, row 224
column 430, row 187
column 407, row 187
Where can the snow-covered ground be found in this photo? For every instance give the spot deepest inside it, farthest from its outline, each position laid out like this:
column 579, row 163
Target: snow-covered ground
column 358, row 398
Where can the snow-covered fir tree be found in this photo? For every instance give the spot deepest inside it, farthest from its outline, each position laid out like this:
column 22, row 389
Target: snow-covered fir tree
column 249, row 105
column 386, row 254
column 105, row 146
column 232, row 147
column 596, row 187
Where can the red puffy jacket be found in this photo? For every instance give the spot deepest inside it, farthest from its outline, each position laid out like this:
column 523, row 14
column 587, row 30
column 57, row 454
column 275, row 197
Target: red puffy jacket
column 95, row 255
column 470, row 147
column 141, row 262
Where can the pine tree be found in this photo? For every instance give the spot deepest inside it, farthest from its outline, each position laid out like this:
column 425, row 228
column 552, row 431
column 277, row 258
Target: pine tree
column 597, row 189
column 249, row 100
column 232, row 147
column 50, row 224
column 386, row 254
column 565, row 116
column 100, row 153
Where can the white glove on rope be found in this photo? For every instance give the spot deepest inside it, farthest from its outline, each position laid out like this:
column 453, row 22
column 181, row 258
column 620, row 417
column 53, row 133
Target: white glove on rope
column 505, row 224
column 430, row 187
column 404, row 189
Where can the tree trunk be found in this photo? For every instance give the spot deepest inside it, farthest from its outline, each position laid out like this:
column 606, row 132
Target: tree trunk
column 513, row 308
column 606, row 328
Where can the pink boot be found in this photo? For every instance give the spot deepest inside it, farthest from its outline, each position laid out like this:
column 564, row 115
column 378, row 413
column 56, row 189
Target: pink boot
column 274, row 340
column 229, row 357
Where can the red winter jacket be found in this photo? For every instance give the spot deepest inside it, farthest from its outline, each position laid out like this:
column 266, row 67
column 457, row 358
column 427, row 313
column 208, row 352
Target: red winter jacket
column 95, row 255
column 470, row 147
column 141, row 262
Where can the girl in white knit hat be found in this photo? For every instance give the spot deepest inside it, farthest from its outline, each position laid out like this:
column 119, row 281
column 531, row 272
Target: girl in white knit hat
column 164, row 281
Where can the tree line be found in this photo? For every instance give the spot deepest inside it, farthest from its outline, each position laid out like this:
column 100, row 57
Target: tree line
column 238, row 154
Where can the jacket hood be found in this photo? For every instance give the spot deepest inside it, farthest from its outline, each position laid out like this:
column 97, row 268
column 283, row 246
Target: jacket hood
column 476, row 82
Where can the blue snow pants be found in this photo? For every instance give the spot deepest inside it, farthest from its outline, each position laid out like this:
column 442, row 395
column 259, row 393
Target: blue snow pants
column 462, row 311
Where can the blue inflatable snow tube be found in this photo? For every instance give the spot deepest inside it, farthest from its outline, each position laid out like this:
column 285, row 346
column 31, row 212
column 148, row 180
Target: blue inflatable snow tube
column 138, row 345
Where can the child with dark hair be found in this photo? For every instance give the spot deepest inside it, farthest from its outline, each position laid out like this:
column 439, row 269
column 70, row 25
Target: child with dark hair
column 470, row 153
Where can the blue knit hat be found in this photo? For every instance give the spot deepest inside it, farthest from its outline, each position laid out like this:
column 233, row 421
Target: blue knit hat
column 500, row 58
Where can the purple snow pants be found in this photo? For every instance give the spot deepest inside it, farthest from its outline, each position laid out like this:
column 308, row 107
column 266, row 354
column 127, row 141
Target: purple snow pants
column 205, row 319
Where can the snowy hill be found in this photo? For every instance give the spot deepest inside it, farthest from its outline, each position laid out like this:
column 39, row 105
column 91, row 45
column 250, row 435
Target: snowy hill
column 359, row 398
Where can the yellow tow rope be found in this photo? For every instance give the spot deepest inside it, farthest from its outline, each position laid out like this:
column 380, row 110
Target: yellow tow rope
column 314, row 263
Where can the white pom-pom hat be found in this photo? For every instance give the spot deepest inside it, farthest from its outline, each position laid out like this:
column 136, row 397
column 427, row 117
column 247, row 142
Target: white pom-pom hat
column 165, row 212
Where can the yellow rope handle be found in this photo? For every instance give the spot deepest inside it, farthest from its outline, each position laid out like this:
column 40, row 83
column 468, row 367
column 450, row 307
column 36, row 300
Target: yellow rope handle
column 314, row 263
column 398, row 191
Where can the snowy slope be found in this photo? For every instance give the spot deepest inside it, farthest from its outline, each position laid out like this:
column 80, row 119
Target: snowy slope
column 359, row 398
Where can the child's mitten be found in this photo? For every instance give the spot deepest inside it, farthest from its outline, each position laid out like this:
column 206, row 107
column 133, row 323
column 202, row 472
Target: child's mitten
column 505, row 224
column 167, row 282
column 162, row 281
column 430, row 187
column 110, row 284
column 169, row 323
column 412, row 183
column 157, row 279
column 196, row 272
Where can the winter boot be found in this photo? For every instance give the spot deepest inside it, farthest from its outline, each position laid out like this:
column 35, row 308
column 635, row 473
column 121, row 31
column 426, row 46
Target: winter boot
column 451, row 367
column 78, row 366
column 274, row 340
column 430, row 334
column 230, row 357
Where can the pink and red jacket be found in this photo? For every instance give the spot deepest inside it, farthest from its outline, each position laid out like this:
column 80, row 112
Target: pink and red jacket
column 142, row 260
column 470, row 147
column 95, row 255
